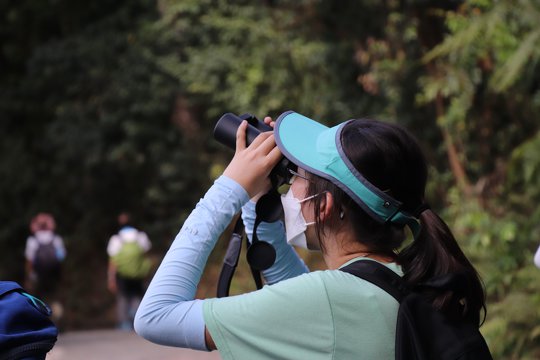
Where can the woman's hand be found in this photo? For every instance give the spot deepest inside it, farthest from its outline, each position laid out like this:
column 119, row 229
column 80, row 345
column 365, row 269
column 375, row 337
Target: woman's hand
column 268, row 121
column 251, row 165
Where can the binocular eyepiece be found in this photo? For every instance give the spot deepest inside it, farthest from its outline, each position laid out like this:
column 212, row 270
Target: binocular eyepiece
column 225, row 133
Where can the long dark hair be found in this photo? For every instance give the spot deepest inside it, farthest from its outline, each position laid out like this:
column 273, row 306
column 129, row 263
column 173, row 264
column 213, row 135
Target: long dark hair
column 390, row 158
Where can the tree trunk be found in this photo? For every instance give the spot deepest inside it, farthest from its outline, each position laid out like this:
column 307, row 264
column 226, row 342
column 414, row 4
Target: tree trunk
column 458, row 170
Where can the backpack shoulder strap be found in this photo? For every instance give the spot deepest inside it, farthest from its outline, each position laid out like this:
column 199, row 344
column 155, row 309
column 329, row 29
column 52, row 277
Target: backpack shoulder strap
column 379, row 275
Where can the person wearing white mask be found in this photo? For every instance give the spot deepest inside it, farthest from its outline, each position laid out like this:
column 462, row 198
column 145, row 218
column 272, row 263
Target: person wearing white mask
column 295, row 223
column 356, row 187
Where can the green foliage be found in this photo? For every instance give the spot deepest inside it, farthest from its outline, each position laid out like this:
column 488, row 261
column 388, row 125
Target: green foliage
column 499, row 245
column 486, row 76
column 258, row 60
column 506, row 31
column 517, row 335
column 89, row 134
column 524, row 169
column 108, row 106
column 491, row 47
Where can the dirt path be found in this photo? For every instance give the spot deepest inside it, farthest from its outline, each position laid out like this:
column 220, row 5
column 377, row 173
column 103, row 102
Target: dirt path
column 118, row 345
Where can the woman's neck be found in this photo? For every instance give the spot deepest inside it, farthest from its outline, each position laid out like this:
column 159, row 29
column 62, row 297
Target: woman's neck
column 341, row 249
column 334, row 262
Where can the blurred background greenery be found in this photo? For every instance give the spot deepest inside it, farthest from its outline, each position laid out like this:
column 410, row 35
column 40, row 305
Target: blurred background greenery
column 110, row 105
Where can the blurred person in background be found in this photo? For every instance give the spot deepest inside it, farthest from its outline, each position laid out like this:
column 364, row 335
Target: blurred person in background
column 537, row 258
column 45, row 252
column 128, row 268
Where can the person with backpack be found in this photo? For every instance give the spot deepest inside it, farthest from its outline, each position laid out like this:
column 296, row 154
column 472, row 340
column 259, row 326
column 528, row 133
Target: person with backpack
column 128, row 268
column 356, row 188
column 536, row 258
column 44, row 253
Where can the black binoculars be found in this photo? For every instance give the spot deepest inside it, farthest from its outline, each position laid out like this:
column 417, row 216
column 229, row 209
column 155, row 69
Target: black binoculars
column 225, row 133
column 261, row 254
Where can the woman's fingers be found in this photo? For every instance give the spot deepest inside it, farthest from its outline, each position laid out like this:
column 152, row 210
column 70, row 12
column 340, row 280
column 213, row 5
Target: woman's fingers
column 260, row 139
column 241, row 136
column 268, row 121
column 251, row 164
column 267, row 145
column 274, row 155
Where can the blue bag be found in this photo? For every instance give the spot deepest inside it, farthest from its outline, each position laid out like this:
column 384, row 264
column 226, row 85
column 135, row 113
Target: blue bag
column 26, row 332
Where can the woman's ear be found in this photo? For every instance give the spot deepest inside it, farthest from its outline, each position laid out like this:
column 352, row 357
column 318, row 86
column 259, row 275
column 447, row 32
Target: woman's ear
column 326, row 207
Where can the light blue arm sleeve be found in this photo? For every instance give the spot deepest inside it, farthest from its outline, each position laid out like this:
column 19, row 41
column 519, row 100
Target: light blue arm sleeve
column 59, row 248
column 288, row 264
column 168, row 313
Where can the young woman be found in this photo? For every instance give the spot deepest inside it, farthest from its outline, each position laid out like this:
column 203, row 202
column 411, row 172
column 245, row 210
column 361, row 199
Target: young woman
column 357, row 187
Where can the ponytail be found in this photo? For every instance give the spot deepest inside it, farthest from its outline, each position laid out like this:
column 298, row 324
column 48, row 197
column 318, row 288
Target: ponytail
column 435, row 254
column 391, row 159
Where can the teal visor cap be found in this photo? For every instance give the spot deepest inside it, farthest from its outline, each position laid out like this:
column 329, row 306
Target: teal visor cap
column 317, row 149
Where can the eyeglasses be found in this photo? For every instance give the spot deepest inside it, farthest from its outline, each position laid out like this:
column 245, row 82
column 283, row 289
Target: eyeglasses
column 295, row 175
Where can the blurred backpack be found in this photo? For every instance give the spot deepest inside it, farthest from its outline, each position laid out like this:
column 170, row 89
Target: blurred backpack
column 46, row 259
column 131, row 261
column 26, row 332
column 422, row 332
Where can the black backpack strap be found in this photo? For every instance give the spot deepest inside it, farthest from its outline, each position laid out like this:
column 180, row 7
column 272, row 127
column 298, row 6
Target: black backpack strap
column 379, row 275
column 230, row 262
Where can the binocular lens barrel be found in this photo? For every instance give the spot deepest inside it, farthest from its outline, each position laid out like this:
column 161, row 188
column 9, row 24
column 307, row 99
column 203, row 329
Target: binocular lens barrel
column 225, row 133
column 227, row 125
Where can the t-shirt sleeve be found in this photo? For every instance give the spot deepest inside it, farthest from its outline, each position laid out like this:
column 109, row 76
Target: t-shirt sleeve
column 114, row 246
column 31, row 248
column 273, row 323
column 144, row 242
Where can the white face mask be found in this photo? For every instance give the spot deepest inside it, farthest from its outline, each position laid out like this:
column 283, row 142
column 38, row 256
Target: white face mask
column 295, row 224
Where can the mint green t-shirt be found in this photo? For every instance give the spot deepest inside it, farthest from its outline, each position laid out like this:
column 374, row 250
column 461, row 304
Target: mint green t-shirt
column 319, row 315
